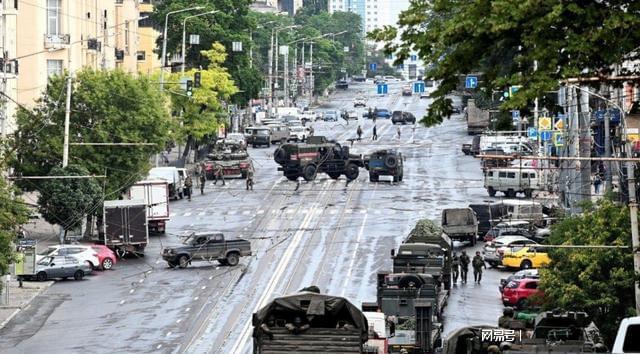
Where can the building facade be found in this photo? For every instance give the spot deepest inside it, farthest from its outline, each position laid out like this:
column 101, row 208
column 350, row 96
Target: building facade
column 8, row 66
column 148, row 33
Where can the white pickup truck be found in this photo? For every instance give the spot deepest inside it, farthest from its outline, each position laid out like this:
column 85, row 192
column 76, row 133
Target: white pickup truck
column 628, row 337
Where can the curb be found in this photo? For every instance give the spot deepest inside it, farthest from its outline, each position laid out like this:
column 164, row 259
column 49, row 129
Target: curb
column 20, row 308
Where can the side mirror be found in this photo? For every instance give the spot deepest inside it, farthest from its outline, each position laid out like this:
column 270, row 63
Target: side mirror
column 52, row 264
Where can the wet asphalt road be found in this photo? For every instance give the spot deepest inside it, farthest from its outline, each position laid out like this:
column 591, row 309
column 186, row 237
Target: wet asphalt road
column 326, row 233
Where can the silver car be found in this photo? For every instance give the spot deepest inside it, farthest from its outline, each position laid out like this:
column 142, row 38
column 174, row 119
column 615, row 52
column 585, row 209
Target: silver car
column 494, row 250
column 61, row 267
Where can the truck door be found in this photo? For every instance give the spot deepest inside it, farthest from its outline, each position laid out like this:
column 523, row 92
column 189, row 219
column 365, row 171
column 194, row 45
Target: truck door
column 215, row 247
column 127, row 225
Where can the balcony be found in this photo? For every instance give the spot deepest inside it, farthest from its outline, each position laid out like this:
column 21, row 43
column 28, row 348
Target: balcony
column 56, row 41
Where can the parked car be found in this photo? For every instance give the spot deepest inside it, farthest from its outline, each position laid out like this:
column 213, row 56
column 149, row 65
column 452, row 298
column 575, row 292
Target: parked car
column 63, row 267
column 382, row 113
column 206, row 246
column 403, row 117
column 521, row 274
column 424, row 94
column 359, row 79
column 526, row 257
column 520, row 227
column 493, row 251
column 351, row 114
column 359, row 101
column 342, row 84
column 83, row 253
column 518, row 293
column 106, row 256
column 406, row 91
column 331, row 115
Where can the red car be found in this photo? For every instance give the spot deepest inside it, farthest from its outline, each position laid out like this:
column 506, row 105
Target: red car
column 106, row 256
column 518, row 292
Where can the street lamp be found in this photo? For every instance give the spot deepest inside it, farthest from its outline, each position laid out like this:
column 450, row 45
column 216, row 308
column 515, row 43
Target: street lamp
column 274, row 32
column 184, row 33
column 164, row 40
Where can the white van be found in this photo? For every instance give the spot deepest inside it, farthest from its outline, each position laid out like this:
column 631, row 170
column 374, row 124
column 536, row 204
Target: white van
column 172, row 176
column 511, row 181
column 523, row 210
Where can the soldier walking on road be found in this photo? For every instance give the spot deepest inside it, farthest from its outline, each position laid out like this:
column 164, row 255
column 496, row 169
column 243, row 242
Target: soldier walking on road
column 375, row 133
column 455, row 267
column 203, row 179
column 478, row 264
column 399, row 131
column 250, row 177
column 359, row 132
column 188, row 183
column 218, row 174
column 464, row 266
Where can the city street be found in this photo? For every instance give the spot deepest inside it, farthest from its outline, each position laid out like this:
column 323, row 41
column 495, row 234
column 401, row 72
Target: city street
column 329, row 233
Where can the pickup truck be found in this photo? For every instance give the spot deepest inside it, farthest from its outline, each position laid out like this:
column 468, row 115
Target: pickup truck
column 206, row 247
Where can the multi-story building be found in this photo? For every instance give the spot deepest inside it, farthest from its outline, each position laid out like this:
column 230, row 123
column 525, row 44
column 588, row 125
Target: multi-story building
column 8, row 67
column 289, row 6
column 57, row 35
column 148, row 32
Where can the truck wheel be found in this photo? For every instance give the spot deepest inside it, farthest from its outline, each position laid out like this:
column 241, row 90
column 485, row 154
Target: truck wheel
column 283, row 141
column 491, row 191
column 510, row 193
column 223, row 262
column 280, row 156
column 400, row 177
column 391, row 162
column 183, row 261
column 309, row 173
column 526, row 264
column 333, row 175
column 373, row 177
column 233, row 259
column 292, row 177
column 395, row 179
column 78, row 275
column 42, row 276
column 474, row 239
column 528, row 193
column 352, row 171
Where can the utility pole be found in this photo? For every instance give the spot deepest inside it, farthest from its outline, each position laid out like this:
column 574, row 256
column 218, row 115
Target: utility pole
column 635, row 239
column 311, row 83
column 271, row 72
column 286, row 77
column 607, row 151
column 250, row 49
column 585, row 144
column 67, row 114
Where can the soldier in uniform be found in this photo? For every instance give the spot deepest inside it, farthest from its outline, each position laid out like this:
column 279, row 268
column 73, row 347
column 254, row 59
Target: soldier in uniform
column 505, row 320
column 188, row 183
column 455, row 267
column 359, row 132
column 250, row 172
column 464, row 266
column 218, row 173
column 375, row 132
column 203, row 179
column 478, row 264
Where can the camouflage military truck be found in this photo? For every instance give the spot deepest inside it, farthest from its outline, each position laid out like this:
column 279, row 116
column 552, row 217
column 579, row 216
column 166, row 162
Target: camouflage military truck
column 427, row 233
column 318, row 154
column 385, row 163
column 231, row 156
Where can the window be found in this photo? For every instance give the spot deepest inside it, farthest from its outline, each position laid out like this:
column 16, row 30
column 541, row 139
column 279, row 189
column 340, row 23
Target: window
column 630, row 345
column 490, row 173
column 54, row 67
column 511, row 175
column 141, row 55
column 532, row 175
column 531, row 285
column 525, row 175
column 502, row 175
column 146, row 21
column 53, row 17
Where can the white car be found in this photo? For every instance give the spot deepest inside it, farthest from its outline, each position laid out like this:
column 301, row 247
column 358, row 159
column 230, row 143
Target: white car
column 352, row 115
column 297, row 133
column 85, row 254
column 359, row 102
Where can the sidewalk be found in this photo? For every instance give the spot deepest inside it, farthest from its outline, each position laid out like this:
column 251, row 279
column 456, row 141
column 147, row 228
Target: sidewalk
column 20, row 298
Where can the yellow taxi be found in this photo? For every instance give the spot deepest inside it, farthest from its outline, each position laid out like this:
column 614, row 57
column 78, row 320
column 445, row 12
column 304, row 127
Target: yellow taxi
column 526, row 257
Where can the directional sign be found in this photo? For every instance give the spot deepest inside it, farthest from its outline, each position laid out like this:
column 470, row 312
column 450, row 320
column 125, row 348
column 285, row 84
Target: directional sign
column 544, row 123
column 513, row 90
column 373, row 66
column 532, row 133
column 418, row 87
column 383, row 89
column 545, row 135
column 515, row 115
column 559, row 125
column 471, row 82
column 194, row 39
column 558, row 139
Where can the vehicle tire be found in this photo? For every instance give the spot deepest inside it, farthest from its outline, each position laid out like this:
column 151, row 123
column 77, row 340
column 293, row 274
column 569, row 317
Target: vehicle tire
column 42, row 276
column 510, row 193
column 107, row 263
column 400, row 177
column 183, row 261
column 491, row 191
column 280, row 156
column 309, row 172
column 292, row 177
column 391, row 161
column 528, row 193
column 171, row 265
column 410, row 280
column 373, row 177
column 334, row 175
column 78, row 275
column 474, row 240
column 121, row 252
column 526, row 264
column 351, row 171
column 223, row 262
column 395, row 178
column 233, row 259
column 492, row 264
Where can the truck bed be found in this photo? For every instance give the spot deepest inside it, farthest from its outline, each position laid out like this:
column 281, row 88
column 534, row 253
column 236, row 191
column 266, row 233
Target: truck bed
column 312, row 341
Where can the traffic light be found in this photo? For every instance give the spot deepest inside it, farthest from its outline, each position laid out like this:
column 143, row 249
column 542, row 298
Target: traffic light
column 189, row 87
column 196, row 79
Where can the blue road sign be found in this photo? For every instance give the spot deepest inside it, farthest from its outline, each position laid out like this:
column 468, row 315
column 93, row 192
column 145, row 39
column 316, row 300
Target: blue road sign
column 558, row 139
column 373, row 66
column 515, row 115
column 383, row 89
column 532, row 132
column 471, row 82
column 418, row 87
column 545, row 135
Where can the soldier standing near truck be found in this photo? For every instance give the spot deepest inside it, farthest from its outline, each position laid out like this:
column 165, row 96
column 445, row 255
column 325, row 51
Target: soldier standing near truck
column 188, row 183
column 218, row 174
column 478, row 264
column 455, row 267
column 250, row 178
column 203, row 179
column 464, row 266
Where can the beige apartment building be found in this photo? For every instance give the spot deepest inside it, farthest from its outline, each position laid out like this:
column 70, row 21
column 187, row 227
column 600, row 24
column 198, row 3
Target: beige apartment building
column 57, row 35
column 148, row 33
column 8, row 18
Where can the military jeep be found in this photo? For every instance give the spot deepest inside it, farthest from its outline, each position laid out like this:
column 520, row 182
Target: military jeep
column 385, row 163
column 318, row 154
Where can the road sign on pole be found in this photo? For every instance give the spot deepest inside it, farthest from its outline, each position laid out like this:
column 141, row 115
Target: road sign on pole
column 373, row 66
column 532, row 133
column 515, row 115
column 194, row 39
column 418, row 87
column 383, row 89
column 544, row 123
column 471, row 82
column 558, row 139
column 545, row 135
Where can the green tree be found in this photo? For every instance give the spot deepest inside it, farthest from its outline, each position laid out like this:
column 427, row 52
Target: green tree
column 598, row 281
column 106, row 107
column 534, row 44
column 315, row 6
column 13, row 213
column 65, row 201
column 203, row 112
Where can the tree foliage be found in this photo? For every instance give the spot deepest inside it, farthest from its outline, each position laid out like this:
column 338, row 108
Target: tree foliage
column 65, row 201
column 598, row 281
column 13, row 213
column 203, row 112
column 506, row 40
column 106, row 107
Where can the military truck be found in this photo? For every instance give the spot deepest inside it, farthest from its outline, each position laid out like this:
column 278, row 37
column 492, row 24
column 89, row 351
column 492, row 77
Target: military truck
column 384, row 163
column 309, row 322
column 460, row 224
column 206, row 247
column 231, row 156
column 318, row 154
column 425, row 235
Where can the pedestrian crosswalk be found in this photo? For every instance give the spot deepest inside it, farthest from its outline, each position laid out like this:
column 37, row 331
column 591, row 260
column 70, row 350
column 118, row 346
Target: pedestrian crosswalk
column 286, row 212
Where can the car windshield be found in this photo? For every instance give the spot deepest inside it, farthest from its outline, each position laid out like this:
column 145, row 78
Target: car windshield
column 297, row 128
column 45, row 261
column 46, row 251
column 261, row 132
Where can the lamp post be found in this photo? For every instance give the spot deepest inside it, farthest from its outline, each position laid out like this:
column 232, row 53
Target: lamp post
column 164, row 40
column 274, row 34
column 184, row 34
